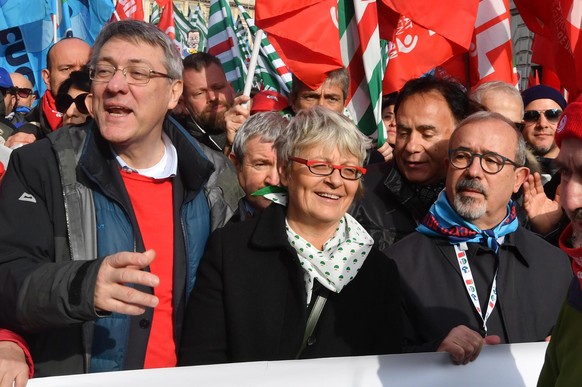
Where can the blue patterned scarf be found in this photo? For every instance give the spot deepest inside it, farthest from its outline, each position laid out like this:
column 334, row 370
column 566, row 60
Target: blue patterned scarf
column 443, row 220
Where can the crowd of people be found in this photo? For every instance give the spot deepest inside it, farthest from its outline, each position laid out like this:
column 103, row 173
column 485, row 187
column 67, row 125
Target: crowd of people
column 150, row 217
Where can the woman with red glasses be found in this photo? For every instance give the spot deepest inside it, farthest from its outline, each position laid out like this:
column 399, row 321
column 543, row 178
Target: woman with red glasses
column 70, row 99
column 301, row 280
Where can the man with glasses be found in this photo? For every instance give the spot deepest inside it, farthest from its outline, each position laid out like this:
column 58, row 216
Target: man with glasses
column 7, row 103
column 65, row 56
column 471, row 274
column 24, row 99
column 102, row 226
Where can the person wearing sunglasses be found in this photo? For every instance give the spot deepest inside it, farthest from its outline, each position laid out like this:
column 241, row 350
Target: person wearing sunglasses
column 25, row 97
column 70, row 99
column 260, row 281
column 543, row 108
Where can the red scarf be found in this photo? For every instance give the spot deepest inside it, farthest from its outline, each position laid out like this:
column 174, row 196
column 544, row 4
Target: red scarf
column 574, row 253
column 53, row 117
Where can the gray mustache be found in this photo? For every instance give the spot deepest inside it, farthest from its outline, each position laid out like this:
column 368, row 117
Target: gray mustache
column 473, row 185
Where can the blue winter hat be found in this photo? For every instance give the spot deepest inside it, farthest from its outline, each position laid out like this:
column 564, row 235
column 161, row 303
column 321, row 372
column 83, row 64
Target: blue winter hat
column 5, row 80
column 543, row 92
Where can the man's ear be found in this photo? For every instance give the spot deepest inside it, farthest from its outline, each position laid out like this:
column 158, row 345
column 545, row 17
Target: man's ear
column 89, row 104
column 521, row 175
column 46, row 77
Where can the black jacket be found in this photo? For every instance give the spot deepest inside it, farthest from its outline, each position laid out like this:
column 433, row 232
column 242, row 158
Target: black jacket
column 249, row 302
column 532, row 281
column 47, row 295
column 391, row 207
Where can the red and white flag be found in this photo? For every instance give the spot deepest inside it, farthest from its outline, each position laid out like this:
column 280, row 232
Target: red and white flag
column 425, row 38
column 129, row 9
column 561, row 22
column 491, row 52
column 166, row 23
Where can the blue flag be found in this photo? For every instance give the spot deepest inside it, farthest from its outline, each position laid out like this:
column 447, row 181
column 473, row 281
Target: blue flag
column 27, row 34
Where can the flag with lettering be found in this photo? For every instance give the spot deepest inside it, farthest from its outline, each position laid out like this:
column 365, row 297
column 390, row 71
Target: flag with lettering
column 25, row 37
column 129, row 9
column 490, row 57
column 425, row 38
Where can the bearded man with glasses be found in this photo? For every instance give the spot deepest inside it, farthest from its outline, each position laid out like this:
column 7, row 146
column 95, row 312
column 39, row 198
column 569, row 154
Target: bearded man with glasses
column 471, row 274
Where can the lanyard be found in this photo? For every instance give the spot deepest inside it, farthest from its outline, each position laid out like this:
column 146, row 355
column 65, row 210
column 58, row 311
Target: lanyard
column 469, row 282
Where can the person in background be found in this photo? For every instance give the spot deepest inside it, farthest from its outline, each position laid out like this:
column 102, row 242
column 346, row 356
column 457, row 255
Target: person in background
column 206, row 98
column 25, row 97
column 561, row 366
column 65, row 56
column 303, row 258
column 70, row 99
column 389, row 117
column 399, row 193
column 255, row 160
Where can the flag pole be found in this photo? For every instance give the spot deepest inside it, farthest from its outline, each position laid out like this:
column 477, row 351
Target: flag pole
column 253, row 63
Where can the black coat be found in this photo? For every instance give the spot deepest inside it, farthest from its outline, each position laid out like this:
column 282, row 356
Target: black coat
column 532, row 281
column 249, row 301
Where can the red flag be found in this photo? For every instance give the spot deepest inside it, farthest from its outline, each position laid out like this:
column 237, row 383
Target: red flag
column 533, row 79
column 452, row 19
column 305, row 34
column 129, row 9
column 166, row 23
column 425, row 38
column 491, row 55
column 414, row 50
column 560, row 21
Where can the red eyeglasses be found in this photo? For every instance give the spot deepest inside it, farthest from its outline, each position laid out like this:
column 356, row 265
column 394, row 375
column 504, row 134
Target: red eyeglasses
column 323, row 168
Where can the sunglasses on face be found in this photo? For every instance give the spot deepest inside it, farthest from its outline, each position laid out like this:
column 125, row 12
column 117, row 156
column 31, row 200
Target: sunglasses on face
column 63, row 101
column 23, row 92
column 552, row 115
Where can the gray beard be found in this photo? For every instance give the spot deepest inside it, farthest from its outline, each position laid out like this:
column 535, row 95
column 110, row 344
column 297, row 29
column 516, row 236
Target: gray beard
column 468, row 208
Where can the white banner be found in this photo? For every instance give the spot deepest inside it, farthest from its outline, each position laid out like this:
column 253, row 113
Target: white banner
column 513, row 365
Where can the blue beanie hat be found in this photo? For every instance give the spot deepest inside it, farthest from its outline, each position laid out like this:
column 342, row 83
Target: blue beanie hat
column 543, row 92
column 5, row 80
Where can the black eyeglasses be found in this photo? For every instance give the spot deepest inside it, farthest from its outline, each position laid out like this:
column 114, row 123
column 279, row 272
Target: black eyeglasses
column 134, row 75
column 552, row 115
column 23, row 92
column 63, row 101
column 323, row 168
column 491, row 162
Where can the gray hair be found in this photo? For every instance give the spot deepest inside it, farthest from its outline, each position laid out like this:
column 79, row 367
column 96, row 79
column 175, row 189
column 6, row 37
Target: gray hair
column 135, row 31
column 478, row 95
column 339, row 77
column 268, row 126
column 320, row 126
column 520, row 150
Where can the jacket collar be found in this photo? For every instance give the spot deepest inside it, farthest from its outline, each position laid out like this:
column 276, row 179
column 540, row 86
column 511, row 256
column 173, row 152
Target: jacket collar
column 270, row 228
column 100, row 165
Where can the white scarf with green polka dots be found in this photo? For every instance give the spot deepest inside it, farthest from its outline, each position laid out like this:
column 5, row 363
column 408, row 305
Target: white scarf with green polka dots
column 339, row 262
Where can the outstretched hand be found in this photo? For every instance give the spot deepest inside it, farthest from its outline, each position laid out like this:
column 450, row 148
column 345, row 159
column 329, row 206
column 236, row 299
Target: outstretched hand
column 543, row 213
